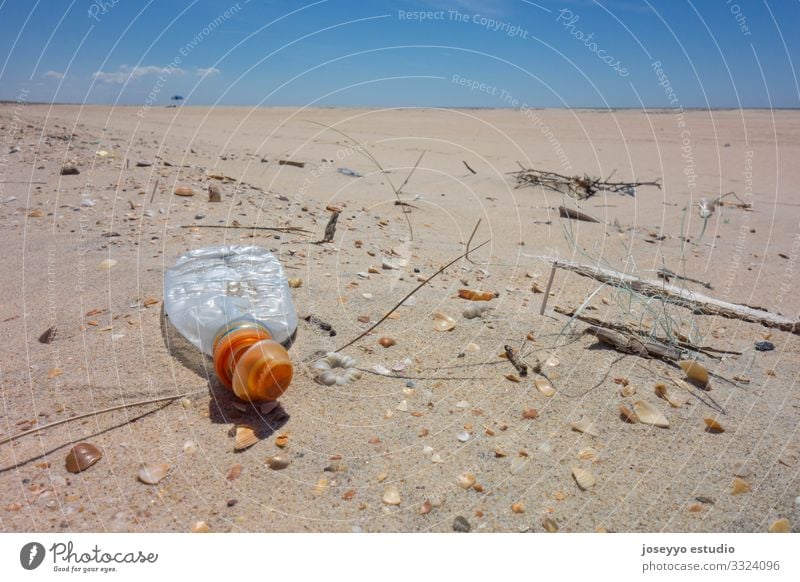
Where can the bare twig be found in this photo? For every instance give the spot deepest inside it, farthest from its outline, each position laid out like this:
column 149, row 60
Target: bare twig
column 512, row 357
column 576, row 186
column 417, row 288
column 474, row 230
column 467, row 165
column 95, row 413
column 547, row 290
column 291, row 229
column 291, row 163
column 411, row 173
column 153, row 195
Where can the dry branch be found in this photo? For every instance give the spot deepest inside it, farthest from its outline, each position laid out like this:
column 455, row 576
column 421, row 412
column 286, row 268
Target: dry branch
column 700, row 304
column 580, row 187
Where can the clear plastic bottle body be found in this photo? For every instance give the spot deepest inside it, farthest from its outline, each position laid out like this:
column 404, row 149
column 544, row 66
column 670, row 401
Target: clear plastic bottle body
column 233, row 302
column 208, row 288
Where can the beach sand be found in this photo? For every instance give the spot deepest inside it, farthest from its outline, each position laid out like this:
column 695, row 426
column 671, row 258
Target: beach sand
column 348, row 445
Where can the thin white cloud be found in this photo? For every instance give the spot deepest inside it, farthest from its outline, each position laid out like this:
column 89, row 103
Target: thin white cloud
column 126, row 73
column 207, row 72
column 53, row 75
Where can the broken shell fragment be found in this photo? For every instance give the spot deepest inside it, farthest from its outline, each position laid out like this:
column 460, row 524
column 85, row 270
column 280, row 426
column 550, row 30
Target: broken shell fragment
column 695, row 371
column 184, row 191
column 199, row 527
column 471, row 295
column 277, row 462
column 443, row 322
column 627, row 391
column 475, row 310
column 780, row 526
column 245, row 438
column 387, row 342
column 82, row 456
column 675, row 400
column 713, row 426
column 583, row 478
column 649, row 414
column 627, row 414
column 153, row 473
column 544, row 386
column 549, row 524
column 391, row 496
column 466, row 480
column 739, row 486
column 585, row 426
column 295, row 283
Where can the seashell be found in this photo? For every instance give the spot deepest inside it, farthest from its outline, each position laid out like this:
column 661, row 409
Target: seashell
column 436, row 458
column 426, row 508
column 780, row 526
column 326, row 374
column 471, row 295
column 675, row 400
column 380, row 369
column 466, row 480
column 107, row 264
column 391, row 496
column 189, row 447
column 627, row 391
column 463, row 436
column 512, row 378
column 388, row 265
column 153, row 473
column 695, row 371
column 472, row 348
column 443, row 322
column 321, row 486
column 587, row 454
column 245, row 438
column 295, row 283
column 36, row 213
column 649, row 414
column 627, row 414
column 199, row 527
column 184, row 191
column 234, row 472
column 277, row 462
column 544, row 386
column 282, row 440
column 82, row 456
column 518, row 507
column 530, row 413
column 549, row 524
column 387, row 342
column 475, row 310
column 713, row 426
column 585, row 426
column 739, row 486
column 403, row 406
column 552, row 362
column 583, row 478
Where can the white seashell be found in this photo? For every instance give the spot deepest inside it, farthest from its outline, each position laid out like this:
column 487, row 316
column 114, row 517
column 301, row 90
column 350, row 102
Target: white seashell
column 462, row 404
column 471, row 347
column 152, row 474
column 427, row 450
column 649, row 414
column 380, row 369
column 585, row 426
column 388, row 265
column 403, row 406
column 583, row 478
column 443, row 322
column 107, row 264
column 391, row 496
column 544, row 386
column 475, row 310
column 463, row 436
column 436, row 458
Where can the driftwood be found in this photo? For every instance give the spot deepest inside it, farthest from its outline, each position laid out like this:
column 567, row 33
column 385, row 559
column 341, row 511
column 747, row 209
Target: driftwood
column 565, row 212
column 580, row 187
column 630, row 344
column 700, row 304
column 291, row 163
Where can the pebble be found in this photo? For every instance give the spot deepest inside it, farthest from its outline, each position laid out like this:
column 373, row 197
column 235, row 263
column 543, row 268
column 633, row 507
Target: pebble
column 144, row 163
column 88, row 202
column 199, row 216
column 278, row 462
column 69, row 170
column 460, row 524
column 411, row 384
column 391, row 496
column 764, row 346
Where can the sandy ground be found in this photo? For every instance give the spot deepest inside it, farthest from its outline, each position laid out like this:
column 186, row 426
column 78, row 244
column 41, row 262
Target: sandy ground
column 348, row 445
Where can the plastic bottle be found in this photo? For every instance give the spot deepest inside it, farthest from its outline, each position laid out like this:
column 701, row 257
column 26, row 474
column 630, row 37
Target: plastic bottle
column 233, row 302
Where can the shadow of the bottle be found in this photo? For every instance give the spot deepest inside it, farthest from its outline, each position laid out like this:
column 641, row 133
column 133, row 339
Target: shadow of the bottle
column 223, row 406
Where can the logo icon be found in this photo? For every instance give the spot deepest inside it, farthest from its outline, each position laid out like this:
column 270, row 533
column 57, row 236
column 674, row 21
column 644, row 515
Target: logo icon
column 31, row 555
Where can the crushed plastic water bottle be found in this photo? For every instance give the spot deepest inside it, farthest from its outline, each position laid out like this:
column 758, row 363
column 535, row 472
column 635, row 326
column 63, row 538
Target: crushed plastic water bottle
column 233, row 302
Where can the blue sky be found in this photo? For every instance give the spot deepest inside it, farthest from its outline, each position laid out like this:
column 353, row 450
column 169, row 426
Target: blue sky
column 464, row 53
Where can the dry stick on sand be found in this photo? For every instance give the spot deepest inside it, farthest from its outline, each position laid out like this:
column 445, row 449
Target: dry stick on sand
column 95, row 413
column 417, row 288
column 153, row 195
column 576, row 186
column 474, row 230
column 291, row 229
column 700, row 304
column 362, row 150
column 565, row 212
column 467, row 165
